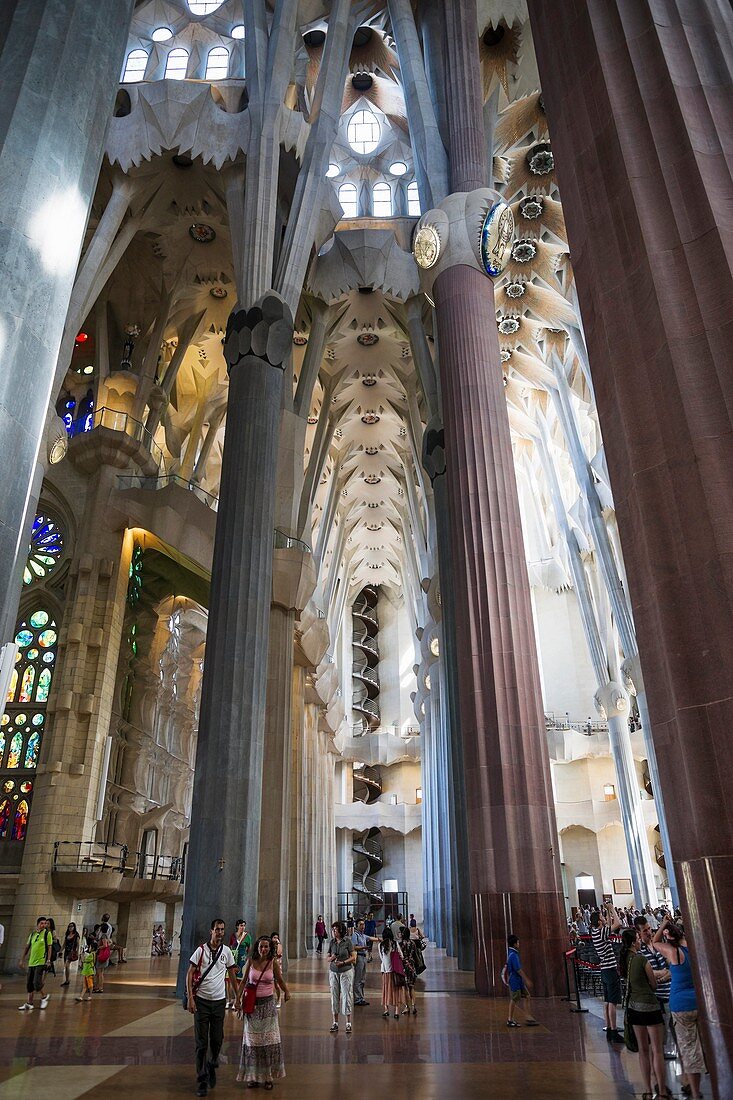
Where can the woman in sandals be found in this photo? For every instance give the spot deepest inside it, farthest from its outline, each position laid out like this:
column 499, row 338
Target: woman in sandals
column 643, row 1012
column 393, row 991
column 670, row 941
column 409, row 948
column 341, row 957
column 262, row 1053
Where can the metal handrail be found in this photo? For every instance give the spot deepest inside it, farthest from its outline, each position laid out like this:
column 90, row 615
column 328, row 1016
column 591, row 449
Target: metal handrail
column 288, row 542
column 92, row 857
column 139, row 481
column 116, row 420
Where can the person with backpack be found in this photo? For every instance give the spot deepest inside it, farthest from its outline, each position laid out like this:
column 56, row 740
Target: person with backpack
column 206, row 1001
column 38, row 952
column 519, row 984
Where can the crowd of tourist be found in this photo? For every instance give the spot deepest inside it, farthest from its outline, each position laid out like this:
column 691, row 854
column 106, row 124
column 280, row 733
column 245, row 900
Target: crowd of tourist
column 651, row 978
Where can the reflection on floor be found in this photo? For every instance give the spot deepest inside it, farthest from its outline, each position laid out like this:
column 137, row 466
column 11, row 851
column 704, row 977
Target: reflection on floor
column 134, row 1039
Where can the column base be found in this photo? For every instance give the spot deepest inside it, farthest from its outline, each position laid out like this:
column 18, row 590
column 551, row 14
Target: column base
column 708, row 903
column 539, row 921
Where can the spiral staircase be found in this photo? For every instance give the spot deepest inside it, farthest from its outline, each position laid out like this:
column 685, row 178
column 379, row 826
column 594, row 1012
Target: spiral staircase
column 367, row 846
column 365, row 699
column 368, row 860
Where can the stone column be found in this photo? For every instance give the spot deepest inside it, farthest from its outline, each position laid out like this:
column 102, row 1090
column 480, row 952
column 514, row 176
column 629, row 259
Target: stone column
column 223, row 861
column 652, row 264
column 514, row 873
column 53, row 118
column 294, row 579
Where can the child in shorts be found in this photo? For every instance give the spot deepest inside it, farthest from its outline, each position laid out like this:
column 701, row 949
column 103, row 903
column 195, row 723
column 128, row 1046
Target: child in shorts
column 88, row 968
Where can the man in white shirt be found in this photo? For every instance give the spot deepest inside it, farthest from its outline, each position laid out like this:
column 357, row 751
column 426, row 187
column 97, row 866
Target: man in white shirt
column 206, row 1001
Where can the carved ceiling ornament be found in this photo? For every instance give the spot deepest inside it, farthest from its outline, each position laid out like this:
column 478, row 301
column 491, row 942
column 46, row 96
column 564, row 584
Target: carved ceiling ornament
column 426, row 246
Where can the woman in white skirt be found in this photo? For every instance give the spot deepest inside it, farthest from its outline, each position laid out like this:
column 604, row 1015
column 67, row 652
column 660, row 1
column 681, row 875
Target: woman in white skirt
column 262, row 1053
column 341, row 958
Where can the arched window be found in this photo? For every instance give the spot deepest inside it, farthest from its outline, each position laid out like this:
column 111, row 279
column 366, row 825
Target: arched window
column 363, row 132
column 413, row 200
column 45, row 550
column 176, row 65
column 382, row 200
column 217, row 63
column 23, row 723
column 135, row 66
column 349, row 200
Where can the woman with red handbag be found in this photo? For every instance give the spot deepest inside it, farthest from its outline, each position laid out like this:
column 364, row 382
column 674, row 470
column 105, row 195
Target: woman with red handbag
column 262, row 1053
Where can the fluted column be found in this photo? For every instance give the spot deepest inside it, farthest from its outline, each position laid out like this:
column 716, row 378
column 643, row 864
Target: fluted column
column 652, row 264
column 53, row 118
column 223, row 862
column 511, row 820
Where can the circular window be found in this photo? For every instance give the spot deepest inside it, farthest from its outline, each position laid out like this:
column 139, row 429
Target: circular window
column 332, row 170
column 363, row 132
column 398, row 168
column 44, row 551
column 238, row 31
column 161, row 34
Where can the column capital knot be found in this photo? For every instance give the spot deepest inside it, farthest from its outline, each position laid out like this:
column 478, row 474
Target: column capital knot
column 631, row 675
column 611, row 701
column 470, row 228
column 264, row 331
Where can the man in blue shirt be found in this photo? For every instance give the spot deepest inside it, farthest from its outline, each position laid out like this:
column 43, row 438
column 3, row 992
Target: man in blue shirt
column 359, row 940
column 519, row 984
column 370, row 927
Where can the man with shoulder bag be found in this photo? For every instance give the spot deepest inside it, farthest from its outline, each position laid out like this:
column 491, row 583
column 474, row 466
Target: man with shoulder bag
column 211, row 963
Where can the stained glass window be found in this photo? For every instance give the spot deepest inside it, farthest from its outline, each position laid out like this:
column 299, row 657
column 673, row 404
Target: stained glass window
column 135, row 583
column 23, row 723
column 26, row 687
column 45, row 550
column 5, row 811
column 16, row 748
column 21, row 821
column 31, row 752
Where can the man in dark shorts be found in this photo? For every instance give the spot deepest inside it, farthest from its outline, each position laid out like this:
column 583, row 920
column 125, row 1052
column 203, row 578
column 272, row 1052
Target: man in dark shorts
column 38, row 952
column 601, row 928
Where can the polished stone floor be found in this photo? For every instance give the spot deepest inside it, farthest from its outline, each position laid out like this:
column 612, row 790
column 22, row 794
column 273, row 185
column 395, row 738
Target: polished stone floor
column 135, row 1040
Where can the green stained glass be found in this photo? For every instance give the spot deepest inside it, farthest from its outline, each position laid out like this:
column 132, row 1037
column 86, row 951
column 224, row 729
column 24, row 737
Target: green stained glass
column 26, row 685
column 21, row 719
column 31, row 752
column 32, row 654
column 23, row 638
column 44, row 685
column 47, row 638
column 16, row 748
column 37, row 719
column 39, row 619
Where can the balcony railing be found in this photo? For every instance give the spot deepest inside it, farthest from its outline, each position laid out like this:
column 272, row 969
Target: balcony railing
column 287, row 542
column 115, row 420
column 135, row 481
column 93, row 858
column 564, row 722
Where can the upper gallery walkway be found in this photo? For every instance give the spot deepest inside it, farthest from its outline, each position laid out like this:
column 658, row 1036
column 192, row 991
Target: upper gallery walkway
column 135, row 1040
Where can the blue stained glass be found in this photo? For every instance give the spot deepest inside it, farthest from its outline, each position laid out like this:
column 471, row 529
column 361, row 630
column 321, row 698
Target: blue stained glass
column 31, row 752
